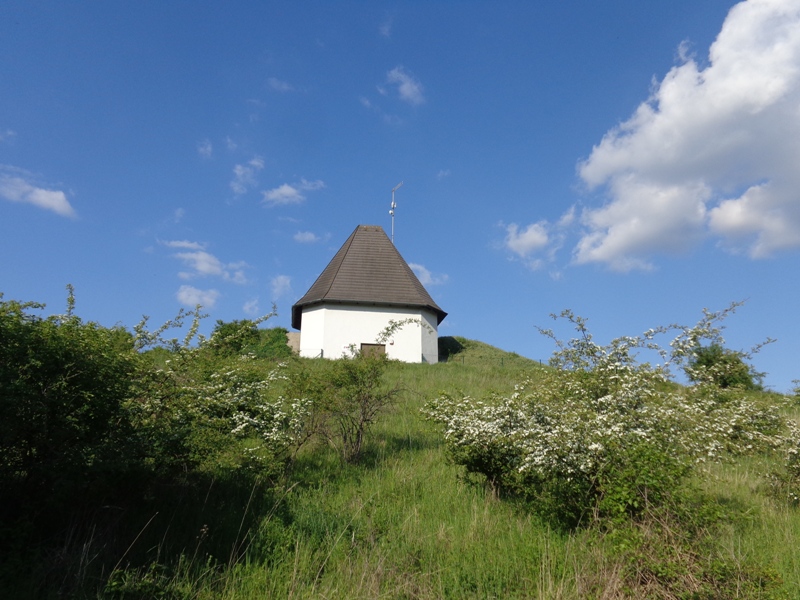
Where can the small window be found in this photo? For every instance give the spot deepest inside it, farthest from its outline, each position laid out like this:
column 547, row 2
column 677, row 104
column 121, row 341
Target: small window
column 373, row 349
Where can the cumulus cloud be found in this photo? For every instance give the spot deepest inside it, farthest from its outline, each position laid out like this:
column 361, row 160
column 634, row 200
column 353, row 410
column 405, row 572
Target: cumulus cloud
column 712, row 153
column 752, row 221
column 291, row 193
column 16, row 186
column 537, row 244
column 386, row 27
column 283, row 194
column 373, row 107
column 205, row 149
column 408, row 87
column 281, row 285
column 306, row 237
column 244, row 176
column 426, row 277
column 250, row 307
column 200, row 263
column 280, row 86
column 523, row 242
column 186, row 244
column 644, row 219
column 191, row 296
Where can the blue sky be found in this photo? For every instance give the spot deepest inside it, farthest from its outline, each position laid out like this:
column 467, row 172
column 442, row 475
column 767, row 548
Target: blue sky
column 634, row 162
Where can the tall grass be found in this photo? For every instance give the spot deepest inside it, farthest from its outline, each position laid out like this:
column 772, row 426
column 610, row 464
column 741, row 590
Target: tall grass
column 401, row 523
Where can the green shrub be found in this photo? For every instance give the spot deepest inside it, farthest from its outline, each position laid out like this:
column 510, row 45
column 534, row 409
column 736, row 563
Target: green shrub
column 232, row 338
column 603, row 435
column 346, row 397
column 64, row 428
column 784, row 481
column 204, row 408
column 272, row 343
column 725, row 368
column 236, row 338
column 84, row 408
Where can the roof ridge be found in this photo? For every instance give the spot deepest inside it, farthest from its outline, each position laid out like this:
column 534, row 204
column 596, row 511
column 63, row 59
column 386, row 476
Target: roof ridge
column 368, row 269
column 346, row 247
column 410, row 275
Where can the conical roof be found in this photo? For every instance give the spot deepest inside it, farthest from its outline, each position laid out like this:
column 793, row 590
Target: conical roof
column 367, row 270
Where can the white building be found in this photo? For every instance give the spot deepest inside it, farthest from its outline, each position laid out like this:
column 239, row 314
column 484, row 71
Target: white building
column 363, row 290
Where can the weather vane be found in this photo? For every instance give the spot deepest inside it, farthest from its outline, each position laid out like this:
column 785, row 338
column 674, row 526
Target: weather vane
column 394, row 205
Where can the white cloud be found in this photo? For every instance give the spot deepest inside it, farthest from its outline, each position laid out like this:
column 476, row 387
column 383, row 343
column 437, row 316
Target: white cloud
column 191, row 296
column 764, row 219
column 291, row 194
column 426, row 277
column 230, row 144
column 713, row 152
column 375, row 108
column 643, row 219
column 184, row 244
column 283, row 194
column 684, row 52
column 250, row 307
column 7, row 135
column 537, row 244
column 306, row 237
column 409, row 88
column 244, row 176
column 16, row 188
column 200, row 263
column 281, row 285
column 386, row 27
column 443, row 174
column 205, row 149
column 311, row 185
column 280, row 86
column 524, row 242
column 567, row 219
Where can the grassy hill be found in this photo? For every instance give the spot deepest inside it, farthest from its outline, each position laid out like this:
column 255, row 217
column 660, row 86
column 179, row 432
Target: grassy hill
column 473, row 352
column 403, row 522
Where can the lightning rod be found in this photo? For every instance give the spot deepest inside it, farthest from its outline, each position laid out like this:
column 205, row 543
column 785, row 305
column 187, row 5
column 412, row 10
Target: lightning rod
column 394, row 205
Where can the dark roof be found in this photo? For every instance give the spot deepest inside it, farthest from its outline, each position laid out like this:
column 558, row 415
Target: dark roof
column 367, row 270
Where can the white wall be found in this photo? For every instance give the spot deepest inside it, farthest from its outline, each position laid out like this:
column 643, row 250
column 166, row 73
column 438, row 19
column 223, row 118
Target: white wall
column 430, row 337
column 329, row 330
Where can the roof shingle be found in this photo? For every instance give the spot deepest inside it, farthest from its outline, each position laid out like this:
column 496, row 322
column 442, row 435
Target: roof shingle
column 367, row 269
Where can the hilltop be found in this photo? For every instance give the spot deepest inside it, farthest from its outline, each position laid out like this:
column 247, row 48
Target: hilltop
column 466, row 351
column 233, row 481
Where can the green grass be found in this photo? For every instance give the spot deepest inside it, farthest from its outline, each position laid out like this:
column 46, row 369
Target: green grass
column 401, row 523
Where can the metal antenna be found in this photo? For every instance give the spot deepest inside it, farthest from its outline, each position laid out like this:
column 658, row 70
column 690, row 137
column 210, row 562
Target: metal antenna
column 394, row 205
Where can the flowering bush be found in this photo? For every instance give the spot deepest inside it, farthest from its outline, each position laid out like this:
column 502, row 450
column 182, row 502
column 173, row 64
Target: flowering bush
column 202, row 410
column 725, row 367
column 785, row 481
column 346, row 398
column 603, row 434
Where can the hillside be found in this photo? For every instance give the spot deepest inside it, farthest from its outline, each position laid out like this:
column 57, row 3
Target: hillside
column 460, row 349
column 401, row 521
